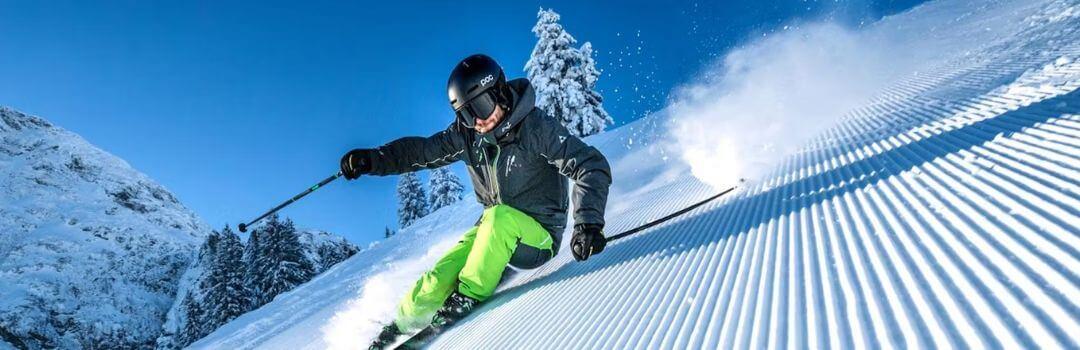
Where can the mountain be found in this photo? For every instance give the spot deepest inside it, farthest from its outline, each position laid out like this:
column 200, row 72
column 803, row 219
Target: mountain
column 90, row 249
column 941, row 210
column 325, row 249
column 94, row 253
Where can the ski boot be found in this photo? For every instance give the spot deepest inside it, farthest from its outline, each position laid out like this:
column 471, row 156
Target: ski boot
column 386, row 337
column 456, row 307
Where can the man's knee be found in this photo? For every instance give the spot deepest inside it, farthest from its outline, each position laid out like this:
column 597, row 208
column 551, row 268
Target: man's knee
column 501, row 220
column 501, row 212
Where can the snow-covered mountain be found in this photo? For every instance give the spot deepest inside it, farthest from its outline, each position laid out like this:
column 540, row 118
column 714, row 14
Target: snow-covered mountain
column 943, row 212
column 325, row 249
column 90, row 249
column 92, row 252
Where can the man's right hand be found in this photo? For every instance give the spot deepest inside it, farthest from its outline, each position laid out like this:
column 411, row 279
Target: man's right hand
column 355, row 163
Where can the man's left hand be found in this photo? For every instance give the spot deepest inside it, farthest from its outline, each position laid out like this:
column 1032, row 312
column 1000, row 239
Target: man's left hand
column 588, row 240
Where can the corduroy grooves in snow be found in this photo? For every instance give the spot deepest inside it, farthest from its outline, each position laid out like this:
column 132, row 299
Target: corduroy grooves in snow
column 943, row 211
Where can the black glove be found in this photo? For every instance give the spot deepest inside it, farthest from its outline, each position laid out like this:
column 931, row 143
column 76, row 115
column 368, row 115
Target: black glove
column 588, row 240
column 355, row 163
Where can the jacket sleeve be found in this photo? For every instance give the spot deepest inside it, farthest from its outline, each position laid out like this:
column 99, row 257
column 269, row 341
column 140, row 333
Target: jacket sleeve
column 413, row 153
column 583, row 164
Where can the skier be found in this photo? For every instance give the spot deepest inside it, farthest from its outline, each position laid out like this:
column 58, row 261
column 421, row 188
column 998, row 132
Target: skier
column 517, row 157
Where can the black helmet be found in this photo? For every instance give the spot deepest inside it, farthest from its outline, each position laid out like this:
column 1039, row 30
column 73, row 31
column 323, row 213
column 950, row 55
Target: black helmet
column 475, row 87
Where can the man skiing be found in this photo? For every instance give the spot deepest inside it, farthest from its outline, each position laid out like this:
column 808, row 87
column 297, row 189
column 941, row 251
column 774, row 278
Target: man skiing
column 518, row 158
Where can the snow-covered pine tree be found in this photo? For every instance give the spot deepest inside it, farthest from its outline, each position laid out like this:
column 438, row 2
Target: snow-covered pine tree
column 194, row 326
column 445, row 188
column 216, row 295
column 260, row 261
column 594, row 102
column 388, row 233
column 189, row 321
column 225, row 294
column 252, row 270
column 412, row 203
column 191, row 331
column 565, row 77
column 282, row 260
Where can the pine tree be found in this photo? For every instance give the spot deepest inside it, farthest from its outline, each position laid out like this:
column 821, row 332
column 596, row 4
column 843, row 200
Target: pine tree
column 594, row 113
column 281, row 260
column 445, row 188
column 260, row 261
column 294, row 267
column 252, row 270
column 412, row 203
column 565, row 77
column 192, row 330
column 226, row 296
column 388, row 233
column 217, row 294
column 195, row 301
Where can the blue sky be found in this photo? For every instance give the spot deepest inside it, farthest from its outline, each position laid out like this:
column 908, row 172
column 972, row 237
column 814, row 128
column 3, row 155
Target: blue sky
column 236, row 106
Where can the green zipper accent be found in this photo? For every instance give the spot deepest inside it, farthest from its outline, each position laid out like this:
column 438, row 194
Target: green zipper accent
column 495, row 173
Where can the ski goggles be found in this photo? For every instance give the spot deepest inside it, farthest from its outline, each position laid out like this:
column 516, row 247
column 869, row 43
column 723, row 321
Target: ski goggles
column 480, row 107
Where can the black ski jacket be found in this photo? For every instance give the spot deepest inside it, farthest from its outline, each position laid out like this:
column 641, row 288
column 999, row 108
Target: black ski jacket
column 521, row 163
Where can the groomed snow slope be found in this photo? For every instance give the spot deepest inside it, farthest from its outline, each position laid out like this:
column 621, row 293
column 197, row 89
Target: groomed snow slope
column 944, row 213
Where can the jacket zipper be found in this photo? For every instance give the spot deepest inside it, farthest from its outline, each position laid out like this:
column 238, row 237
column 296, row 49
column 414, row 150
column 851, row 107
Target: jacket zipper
column 493, row 172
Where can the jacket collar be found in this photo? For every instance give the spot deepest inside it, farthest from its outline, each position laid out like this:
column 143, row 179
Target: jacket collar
column 523, row 101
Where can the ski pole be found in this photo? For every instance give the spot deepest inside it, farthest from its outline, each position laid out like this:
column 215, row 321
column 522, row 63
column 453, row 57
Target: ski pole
column 243, row 227
column 669, row 217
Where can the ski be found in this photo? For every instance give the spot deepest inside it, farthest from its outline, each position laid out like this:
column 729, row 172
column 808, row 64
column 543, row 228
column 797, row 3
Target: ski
column 418, row 340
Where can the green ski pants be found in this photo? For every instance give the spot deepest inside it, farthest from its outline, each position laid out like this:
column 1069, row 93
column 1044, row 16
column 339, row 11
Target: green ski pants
column 475, row 265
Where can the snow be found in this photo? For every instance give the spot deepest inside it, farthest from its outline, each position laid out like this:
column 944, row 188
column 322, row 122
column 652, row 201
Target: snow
column 91, row 249
column 939, row 209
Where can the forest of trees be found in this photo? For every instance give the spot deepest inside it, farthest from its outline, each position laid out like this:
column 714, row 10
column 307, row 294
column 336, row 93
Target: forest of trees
column 229, row 277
